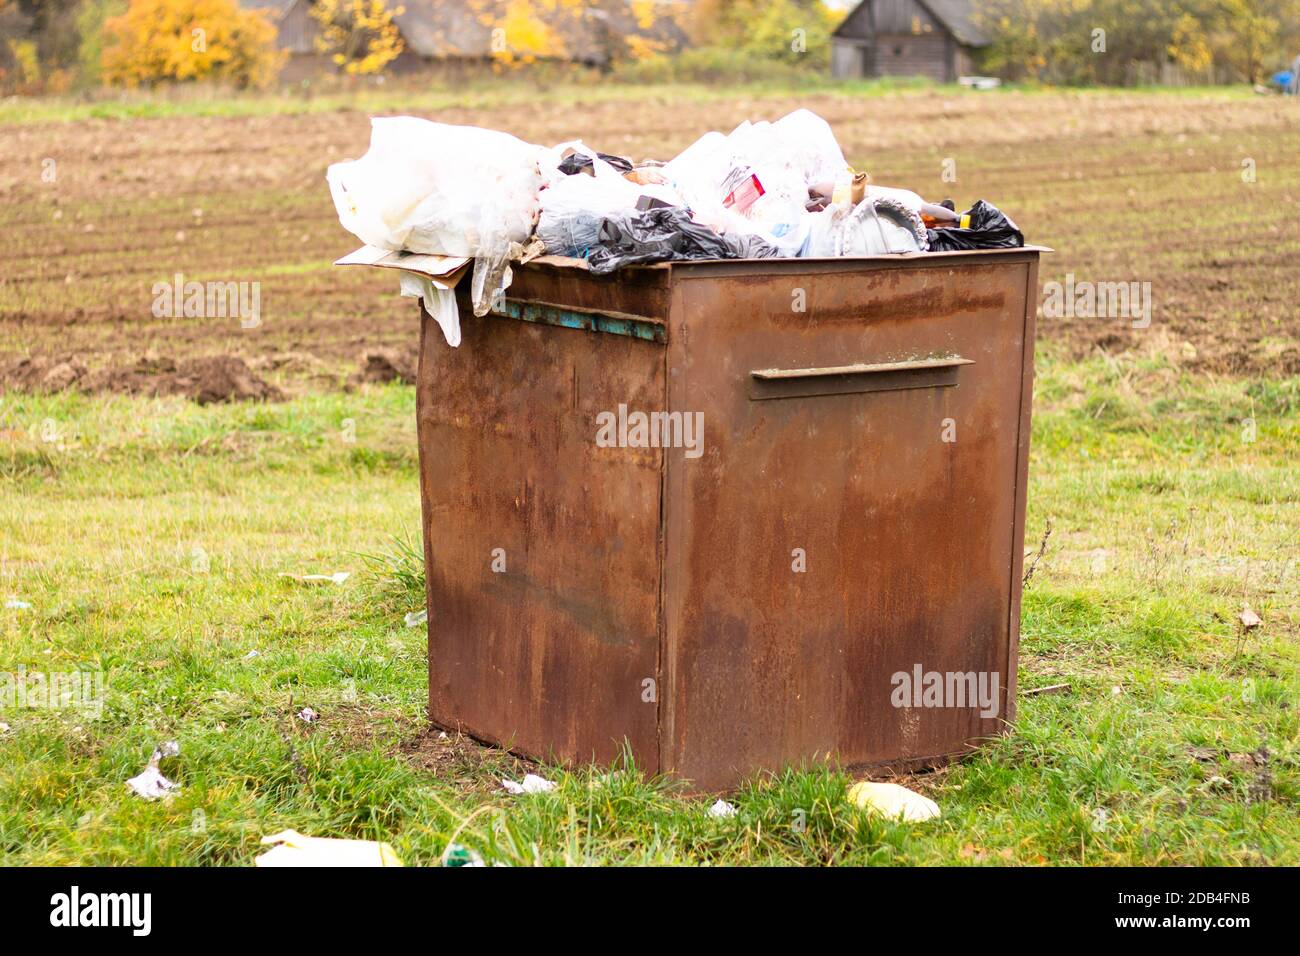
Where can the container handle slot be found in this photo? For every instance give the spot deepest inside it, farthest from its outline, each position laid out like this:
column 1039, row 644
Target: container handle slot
column 941, row 372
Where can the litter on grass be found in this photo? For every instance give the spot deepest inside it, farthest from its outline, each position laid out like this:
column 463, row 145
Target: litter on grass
column 722, row 809
column 530, row 784
column 150, row 783
column 337, row 577
column 427, row 198
column 308, row 716
column 291, row 848
column 13, row 604
column 892, row 801
column 416, row 618
column 458, row 855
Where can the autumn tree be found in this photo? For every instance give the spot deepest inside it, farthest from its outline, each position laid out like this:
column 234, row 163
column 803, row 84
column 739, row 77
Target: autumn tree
column 792, row 30
column 1255, row 26
column 1125, row 41
column 604, row 32
column 15, row 47
column 157, row 40
column 359, row 36
column 525, row 31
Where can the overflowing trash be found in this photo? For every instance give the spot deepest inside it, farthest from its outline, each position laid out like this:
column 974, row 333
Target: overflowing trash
column 893, row 802
column 291, row 848
column 427, row 198
column 150, row 783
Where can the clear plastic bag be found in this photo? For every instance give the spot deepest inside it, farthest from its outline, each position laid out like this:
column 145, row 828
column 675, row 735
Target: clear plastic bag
column 777, row 161
column 447, row 190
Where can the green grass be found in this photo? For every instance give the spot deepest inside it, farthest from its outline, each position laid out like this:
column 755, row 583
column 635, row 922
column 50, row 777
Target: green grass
column 150, row 537
column 490, row 92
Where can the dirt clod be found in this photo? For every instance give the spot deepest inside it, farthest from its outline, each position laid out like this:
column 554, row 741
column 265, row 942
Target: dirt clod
column 43, row 373
column 207, row 379
column 386, row 365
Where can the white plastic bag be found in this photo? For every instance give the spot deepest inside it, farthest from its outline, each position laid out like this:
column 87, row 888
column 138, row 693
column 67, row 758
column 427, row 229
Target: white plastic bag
column 448, row 190
column 904, row 197
column 439, row 302
column 811, row 145
column 785, row 157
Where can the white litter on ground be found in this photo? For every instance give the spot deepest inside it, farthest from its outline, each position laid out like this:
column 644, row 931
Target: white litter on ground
column 336, row 578
column 416, row 618
column 892, row 801
column 13, row 604
column 150, row 783
column 531, row 784
column 721, row 810
column 294, row 849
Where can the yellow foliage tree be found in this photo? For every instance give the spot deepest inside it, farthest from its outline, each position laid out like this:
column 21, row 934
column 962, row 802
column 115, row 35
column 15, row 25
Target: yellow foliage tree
column 526, row 31
column 594, row 31
column 770, row 29
column 1189, row 44
column 358, row 35
column 157, row 40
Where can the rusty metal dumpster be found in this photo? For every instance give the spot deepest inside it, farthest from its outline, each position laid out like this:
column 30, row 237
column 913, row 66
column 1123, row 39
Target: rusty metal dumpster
column 782, row 585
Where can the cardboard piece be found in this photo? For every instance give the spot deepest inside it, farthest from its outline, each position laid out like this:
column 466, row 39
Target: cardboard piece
column 443, row 271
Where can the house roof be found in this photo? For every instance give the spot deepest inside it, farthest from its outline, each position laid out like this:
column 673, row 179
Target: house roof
column 440, row 28
column 955, row 16
column 464, row 28
column 278, row 8
column 959, row 17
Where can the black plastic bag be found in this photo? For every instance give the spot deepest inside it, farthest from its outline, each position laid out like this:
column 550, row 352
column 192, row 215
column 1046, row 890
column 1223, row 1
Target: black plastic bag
column 990, row 228
column 658, row 234
column 577, row 162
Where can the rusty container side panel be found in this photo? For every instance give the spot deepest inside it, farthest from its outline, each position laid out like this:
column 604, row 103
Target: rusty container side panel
column 542, row 549
column 894, row 490
column 567, row 282
column 1021, row 495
